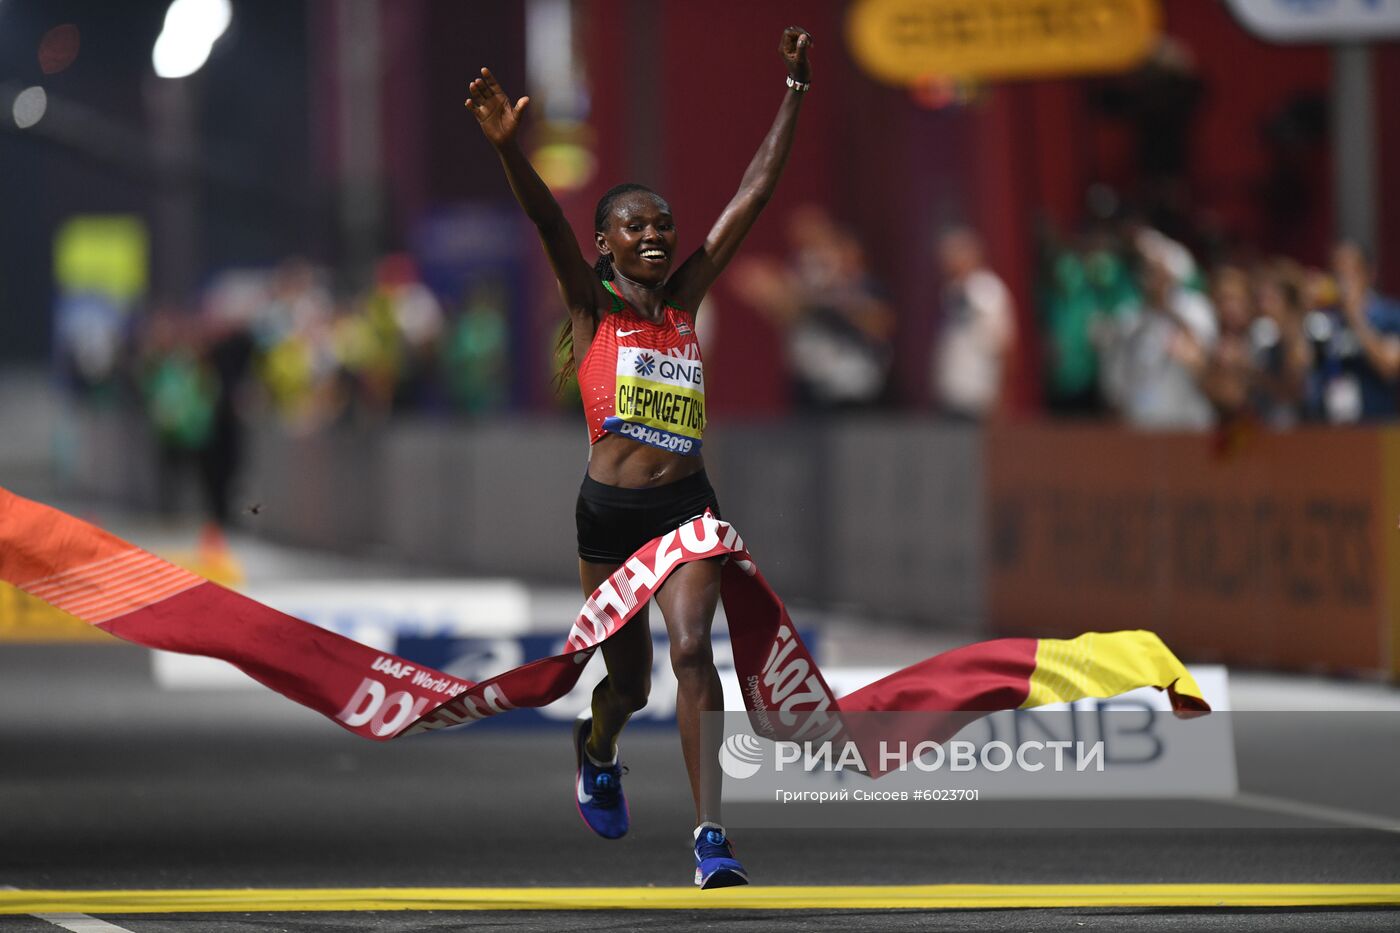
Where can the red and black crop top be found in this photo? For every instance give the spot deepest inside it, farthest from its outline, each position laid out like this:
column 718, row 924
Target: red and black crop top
column 644, row 379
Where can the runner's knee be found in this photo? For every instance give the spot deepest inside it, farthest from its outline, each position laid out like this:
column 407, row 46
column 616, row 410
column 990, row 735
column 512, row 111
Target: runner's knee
column 691, row 652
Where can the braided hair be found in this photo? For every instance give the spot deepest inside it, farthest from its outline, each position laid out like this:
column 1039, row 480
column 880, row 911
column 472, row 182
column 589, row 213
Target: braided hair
column 564, row 344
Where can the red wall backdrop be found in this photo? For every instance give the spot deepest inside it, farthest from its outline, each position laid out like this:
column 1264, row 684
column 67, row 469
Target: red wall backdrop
column 890, row 170
column 1063, row 143
column 1247, row 81
column 717, row 80
column 1020, row 154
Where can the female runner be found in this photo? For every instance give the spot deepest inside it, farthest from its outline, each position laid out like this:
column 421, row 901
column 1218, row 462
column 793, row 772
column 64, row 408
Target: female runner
column 632, row 327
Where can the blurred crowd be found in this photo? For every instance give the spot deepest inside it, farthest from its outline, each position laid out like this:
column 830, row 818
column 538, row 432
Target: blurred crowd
column 1134, row 328
column 1131, row 327
column 279, row 345
column 839, row 330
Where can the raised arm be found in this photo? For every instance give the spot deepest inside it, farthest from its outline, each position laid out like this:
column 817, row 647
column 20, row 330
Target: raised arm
column 694, row 278
column 500, row 121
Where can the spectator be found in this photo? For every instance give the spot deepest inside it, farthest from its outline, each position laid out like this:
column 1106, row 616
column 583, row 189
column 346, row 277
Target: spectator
column 1080, row 289
column 1228, row 374
column 1154, row 355
column 296, row 362
column 474, row 355
column 179, row 394
column 228, row 357
column 1279, row 343
column 1360, row 364
column 976, row 332
column 836, row 326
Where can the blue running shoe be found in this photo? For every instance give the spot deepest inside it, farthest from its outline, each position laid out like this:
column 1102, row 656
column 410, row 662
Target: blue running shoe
column 715, row 864
column 599, row 790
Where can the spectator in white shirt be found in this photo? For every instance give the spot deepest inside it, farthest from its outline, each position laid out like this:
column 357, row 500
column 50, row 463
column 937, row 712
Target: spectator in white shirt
column 976, row 332
column 1154, row 357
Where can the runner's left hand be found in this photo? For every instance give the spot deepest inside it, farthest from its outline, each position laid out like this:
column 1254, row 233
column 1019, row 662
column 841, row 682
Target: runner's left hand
column 793, row 47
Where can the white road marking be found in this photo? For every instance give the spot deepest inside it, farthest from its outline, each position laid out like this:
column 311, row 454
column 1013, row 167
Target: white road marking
column 81, row 923
column 1316, row 811
column 76, row 923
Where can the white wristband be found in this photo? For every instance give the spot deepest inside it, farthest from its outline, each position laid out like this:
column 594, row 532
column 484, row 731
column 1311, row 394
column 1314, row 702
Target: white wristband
column 798, row 85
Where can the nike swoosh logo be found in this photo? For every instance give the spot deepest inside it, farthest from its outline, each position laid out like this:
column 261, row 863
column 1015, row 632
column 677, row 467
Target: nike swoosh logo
column 582, row 796
column 629, row 333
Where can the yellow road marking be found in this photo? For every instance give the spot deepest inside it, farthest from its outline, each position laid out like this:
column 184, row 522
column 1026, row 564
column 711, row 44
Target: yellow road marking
column 932, row 896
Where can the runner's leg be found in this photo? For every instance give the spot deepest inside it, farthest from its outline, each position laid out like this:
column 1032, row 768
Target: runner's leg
column 628, row 658
column 688, row 600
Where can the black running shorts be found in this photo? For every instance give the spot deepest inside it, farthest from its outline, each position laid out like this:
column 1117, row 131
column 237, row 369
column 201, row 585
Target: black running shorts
column 613, row 521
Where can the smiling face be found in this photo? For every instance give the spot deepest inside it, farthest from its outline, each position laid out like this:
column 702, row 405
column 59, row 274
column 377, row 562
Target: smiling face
column 640, row 235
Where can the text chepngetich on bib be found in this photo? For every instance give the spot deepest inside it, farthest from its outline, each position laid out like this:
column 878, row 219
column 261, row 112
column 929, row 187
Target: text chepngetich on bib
column 660, row 400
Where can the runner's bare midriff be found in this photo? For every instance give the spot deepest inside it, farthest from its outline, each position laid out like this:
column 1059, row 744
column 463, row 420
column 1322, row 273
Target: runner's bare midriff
column 620, row 461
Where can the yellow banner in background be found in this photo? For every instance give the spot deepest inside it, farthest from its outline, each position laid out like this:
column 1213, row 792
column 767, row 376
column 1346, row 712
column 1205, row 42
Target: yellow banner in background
column 906, row 41
column 108, row 254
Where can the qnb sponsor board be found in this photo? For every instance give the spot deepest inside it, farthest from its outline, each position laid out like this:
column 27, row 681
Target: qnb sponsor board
column 1319, row 20
column 1129, row 746
column 378, row 614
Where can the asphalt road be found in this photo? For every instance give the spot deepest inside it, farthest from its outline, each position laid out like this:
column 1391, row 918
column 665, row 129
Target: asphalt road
column 106, row 782
column 109, row 783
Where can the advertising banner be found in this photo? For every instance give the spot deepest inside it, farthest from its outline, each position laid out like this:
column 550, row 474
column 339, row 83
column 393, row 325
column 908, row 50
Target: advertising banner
column 1274, row 554
column 907, row 41
column 1319, row 20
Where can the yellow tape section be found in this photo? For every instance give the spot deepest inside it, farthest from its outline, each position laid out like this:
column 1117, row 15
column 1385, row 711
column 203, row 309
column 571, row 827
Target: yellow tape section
column 875, row 897
column 1099, row 664
column 23, row 618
